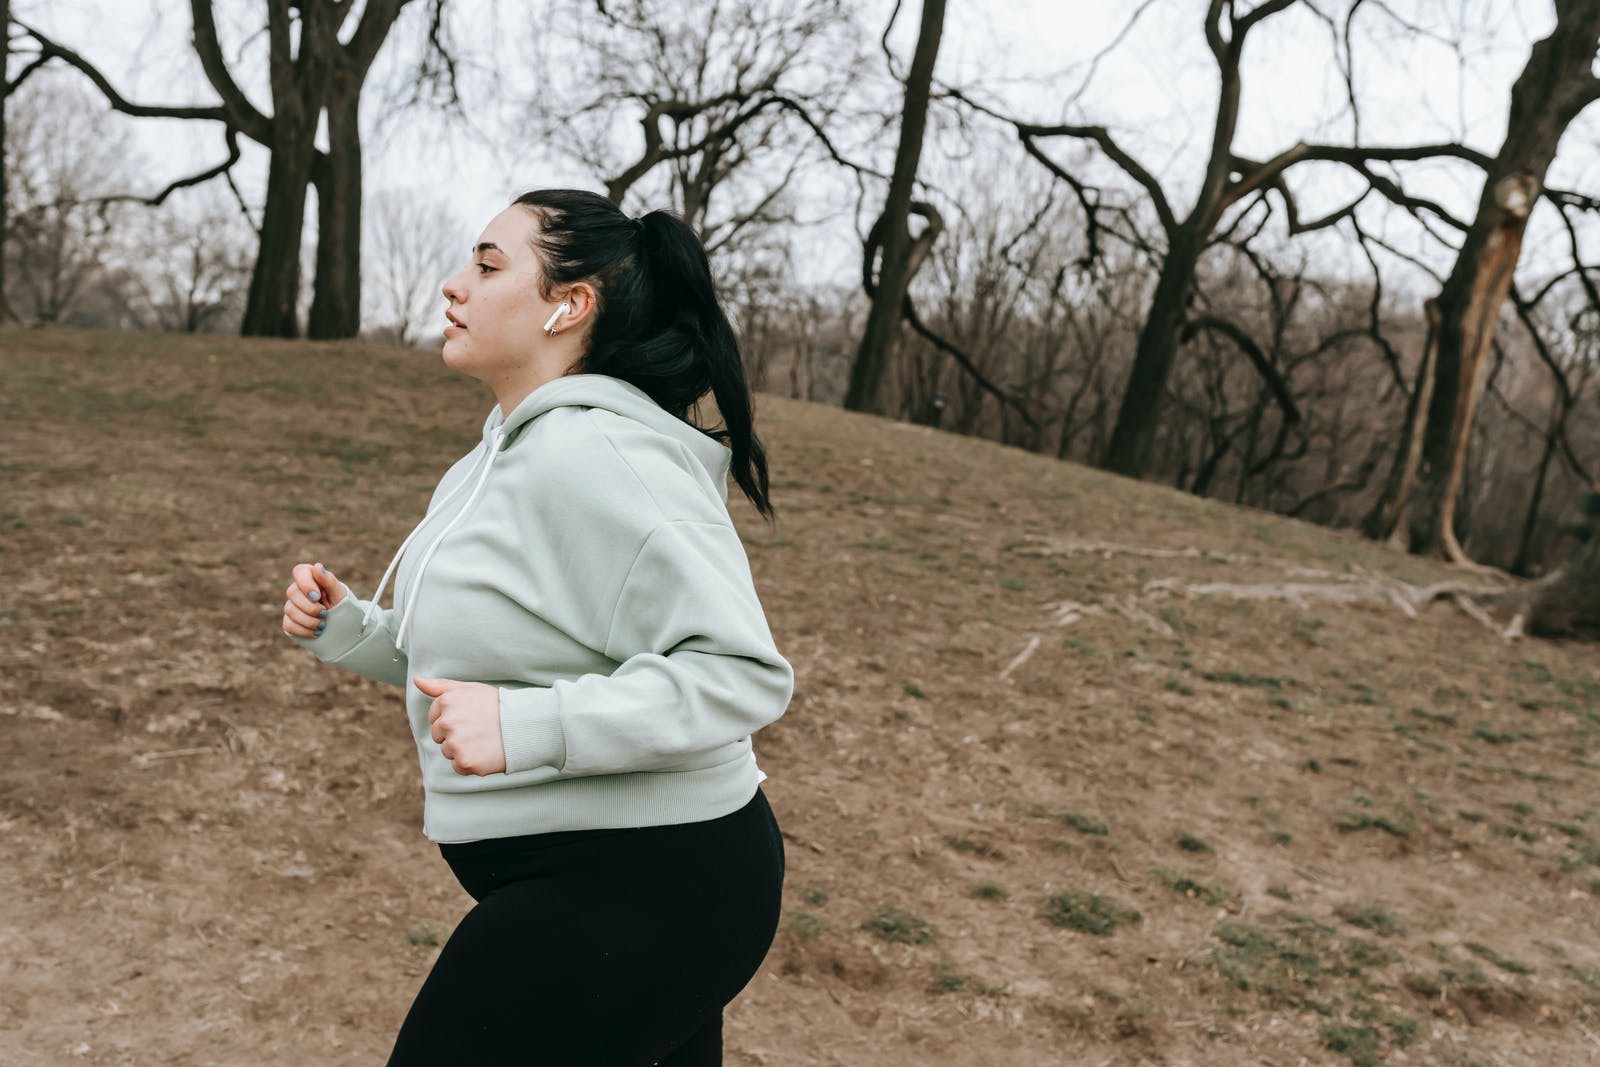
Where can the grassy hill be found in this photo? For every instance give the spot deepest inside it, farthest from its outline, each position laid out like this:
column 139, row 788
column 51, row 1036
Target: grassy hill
column 1050, row 794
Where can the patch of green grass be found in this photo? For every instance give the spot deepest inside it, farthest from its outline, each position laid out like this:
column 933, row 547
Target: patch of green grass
column 1256, row 681
column 1208, row 892
column 1309, row 631
column 424, row 935
column 946, row 980
column 1280, row 965
column 914, row 690
column 1084, row 824
column 1361, row 955
column 1279, row 891
column 1496, row 737
column 1088, row 913
column 813, row 896
column 1579, row 854
column 893, row 924
column 1370, row 915
column 802, row 925
column 1401, row 825
column 1190, row 843
column 1589, row 977
column 988, row 891
column 1365, row 694
column 1485, row 952
column 1360, row 1043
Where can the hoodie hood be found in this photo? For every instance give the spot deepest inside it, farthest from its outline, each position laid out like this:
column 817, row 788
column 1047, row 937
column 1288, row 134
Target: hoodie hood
column 501, row 431
column 624, row 398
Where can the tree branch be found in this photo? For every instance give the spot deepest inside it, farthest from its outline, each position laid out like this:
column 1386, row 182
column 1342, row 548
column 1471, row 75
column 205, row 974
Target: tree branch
column 240, row 111
column 50, row 49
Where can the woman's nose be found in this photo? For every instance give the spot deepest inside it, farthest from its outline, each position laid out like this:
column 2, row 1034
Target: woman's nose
column 452, row 290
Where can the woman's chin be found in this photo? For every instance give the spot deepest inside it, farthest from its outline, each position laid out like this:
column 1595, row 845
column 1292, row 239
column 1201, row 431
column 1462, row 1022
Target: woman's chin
column 454, row 352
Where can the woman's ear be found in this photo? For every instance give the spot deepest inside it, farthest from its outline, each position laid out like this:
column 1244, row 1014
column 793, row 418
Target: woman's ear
column 580, row 302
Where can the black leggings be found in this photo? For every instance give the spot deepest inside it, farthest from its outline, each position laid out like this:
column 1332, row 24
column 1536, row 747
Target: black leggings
column 600, row 948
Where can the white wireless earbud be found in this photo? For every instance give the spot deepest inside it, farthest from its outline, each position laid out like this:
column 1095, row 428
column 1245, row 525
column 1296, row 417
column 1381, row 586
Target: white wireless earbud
column 563, row 309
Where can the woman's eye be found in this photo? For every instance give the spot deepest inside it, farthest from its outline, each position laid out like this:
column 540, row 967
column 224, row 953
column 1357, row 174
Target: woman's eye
column 484, row 268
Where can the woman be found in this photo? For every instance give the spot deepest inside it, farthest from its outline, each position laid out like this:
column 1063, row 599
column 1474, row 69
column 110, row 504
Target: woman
column 584, row 655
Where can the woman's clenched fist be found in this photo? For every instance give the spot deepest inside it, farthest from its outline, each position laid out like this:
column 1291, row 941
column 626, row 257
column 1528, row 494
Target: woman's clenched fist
column 465, row 722
column 309, row 598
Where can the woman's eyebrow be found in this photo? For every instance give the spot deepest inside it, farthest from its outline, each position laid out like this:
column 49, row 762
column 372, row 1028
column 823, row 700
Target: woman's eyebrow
column 488, row 246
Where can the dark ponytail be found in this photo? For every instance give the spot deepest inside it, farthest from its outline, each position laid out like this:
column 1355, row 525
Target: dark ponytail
column 658, row 322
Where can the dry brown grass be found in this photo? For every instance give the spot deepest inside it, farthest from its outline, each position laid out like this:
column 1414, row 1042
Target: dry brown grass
column 1346, row 834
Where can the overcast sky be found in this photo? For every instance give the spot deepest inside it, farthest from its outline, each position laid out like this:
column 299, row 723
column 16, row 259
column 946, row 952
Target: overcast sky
column 1156, row 90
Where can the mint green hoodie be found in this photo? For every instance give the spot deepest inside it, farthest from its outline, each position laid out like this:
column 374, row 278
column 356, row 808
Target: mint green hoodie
column 580, row 559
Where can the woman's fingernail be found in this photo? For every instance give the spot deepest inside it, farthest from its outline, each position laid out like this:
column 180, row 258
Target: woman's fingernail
column 321, row 626
column 316, row 594
column 323, row 614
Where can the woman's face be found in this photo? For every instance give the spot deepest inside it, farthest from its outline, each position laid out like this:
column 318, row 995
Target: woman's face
column 495, row 321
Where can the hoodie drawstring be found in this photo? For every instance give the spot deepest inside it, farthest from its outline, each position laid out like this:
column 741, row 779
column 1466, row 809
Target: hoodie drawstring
column 416, row 581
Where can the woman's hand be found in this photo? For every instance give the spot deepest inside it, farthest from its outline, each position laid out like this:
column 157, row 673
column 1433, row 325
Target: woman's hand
column 309, row 597
column 466, row 724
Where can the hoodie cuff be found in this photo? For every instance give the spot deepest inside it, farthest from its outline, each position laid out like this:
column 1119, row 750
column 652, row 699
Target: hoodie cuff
column 530, row 728
column 342, row 632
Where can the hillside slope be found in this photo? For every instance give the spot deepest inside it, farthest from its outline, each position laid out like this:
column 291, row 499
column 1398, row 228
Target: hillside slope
column 1041, row 806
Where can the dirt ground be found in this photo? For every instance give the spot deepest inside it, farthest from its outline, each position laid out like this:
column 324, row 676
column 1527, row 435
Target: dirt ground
column 1043, row 802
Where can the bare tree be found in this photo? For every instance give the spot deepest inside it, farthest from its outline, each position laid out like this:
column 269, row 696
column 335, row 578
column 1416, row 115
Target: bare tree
column 7, row 86
column 65, row 153
column 1230, row 181
column 731, row 100
column 310, row 69
column 186, row 267
column 892, row 256
column 1555, row 85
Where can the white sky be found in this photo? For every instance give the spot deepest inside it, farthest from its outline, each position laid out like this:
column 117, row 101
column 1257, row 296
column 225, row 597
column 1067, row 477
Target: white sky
column 1156, row 91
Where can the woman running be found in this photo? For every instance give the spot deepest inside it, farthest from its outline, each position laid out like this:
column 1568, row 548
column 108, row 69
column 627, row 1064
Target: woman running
column 584, row 655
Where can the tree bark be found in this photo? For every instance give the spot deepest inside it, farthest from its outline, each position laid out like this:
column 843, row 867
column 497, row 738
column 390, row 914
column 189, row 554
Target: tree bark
column 336, row 299
column 894, row 272
column 1380, row 522
column 299, row 87
column 271, row 308
column 1138, row 416
column 1556, row 84
column 6, row 314
column 336, row 302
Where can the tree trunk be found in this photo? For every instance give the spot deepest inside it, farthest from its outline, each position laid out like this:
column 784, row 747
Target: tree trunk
column 1380, row 522
column 1556, row 84
column 6, row 314
column 336, row 302
column 1138, row 416
column 299, row 87
column 271, row 308
column 894, row 275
